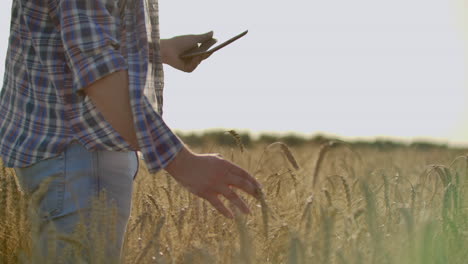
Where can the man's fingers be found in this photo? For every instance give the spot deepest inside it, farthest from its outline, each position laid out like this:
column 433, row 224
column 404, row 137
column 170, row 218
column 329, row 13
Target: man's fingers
column 193, row 64
column 204, row 37
column 193, row 48
column 218, row 205
column 207, row 45
column 203, row 47
column 236, row 200
column 235, row 170
column 242, row 184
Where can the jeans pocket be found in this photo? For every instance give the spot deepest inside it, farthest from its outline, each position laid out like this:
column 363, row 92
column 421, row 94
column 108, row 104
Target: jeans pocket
column 44, row 182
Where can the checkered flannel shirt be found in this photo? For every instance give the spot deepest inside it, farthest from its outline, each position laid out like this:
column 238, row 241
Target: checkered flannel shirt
column 57, row 48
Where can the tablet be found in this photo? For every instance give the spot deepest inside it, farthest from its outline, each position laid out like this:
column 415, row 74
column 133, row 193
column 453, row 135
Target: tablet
column 192, row 54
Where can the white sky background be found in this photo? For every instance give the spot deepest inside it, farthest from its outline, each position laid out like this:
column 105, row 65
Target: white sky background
column 349, row 68
column 361, row 68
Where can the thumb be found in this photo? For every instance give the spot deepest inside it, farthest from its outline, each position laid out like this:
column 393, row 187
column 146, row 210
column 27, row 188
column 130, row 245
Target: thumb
column 204, row 37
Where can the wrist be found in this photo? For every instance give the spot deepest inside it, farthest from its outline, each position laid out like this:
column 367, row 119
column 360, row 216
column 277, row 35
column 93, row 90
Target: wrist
column 164, row 49
column 178, row 164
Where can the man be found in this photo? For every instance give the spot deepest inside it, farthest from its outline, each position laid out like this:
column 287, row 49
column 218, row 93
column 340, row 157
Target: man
column 82, row 80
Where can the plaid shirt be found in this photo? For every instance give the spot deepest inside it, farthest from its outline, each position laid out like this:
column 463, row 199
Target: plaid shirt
column 57, row 48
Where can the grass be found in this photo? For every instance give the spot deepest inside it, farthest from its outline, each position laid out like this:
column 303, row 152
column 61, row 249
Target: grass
column 328, row 202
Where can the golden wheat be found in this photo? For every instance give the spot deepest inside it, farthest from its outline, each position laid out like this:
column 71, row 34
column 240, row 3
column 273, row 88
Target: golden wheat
column 344, row 204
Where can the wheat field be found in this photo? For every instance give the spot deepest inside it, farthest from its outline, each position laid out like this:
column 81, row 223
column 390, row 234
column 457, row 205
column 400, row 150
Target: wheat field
column 323, row 202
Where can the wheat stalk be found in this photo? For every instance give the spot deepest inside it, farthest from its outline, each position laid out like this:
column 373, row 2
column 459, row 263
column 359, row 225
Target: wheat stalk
column 153, row 201
column 328, row 196
column 296, row 251
column 307, row 214
column 347, row 191
column 286, row 152
column 237, row 139
column 154, row 240
column 264, row 206
column 289, row 156
column 246, row 250
column 180, row 221
column 4, row 214
column 328, row 222
column 318, row 164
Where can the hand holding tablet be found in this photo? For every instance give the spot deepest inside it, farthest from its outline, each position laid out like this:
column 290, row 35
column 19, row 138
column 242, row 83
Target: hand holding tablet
column 196, row 52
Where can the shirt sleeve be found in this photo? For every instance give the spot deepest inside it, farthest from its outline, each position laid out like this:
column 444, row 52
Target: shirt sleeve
column 90, row 35
column 158, row 144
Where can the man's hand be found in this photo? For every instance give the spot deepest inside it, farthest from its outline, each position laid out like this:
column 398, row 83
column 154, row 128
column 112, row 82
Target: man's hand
column 209, row 176
column 172, row 48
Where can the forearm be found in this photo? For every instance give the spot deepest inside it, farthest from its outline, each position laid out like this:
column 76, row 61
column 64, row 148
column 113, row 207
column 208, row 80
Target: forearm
column 179, row 164
column 112, row 98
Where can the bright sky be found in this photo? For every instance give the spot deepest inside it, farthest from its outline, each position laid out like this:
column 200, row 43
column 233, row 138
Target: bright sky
column 355, row 69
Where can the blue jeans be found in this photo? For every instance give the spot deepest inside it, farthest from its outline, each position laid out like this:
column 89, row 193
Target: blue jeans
column 76, row 177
